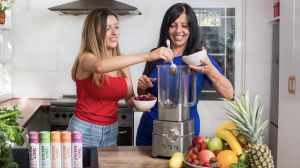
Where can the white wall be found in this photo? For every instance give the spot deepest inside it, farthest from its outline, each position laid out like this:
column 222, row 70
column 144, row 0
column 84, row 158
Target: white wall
column 258, row 51
column 45, row 45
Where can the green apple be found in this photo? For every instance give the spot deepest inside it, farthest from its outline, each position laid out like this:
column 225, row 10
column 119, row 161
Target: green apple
column 215, row 144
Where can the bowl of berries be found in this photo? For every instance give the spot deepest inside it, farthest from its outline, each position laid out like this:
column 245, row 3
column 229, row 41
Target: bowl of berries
column 199, row 156
column 144, row 102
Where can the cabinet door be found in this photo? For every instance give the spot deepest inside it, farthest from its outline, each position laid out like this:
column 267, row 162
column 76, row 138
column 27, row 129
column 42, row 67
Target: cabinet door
column 289, row 116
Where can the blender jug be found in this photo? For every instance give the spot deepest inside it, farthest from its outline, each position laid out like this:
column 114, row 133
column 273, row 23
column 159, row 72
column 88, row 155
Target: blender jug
column 173, row 93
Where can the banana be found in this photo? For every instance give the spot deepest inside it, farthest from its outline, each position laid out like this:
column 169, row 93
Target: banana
column 231, row 140
column 242, row 140
column 227, row 125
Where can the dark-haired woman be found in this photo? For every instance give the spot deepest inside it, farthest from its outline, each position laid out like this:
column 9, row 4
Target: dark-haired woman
column 180, row 26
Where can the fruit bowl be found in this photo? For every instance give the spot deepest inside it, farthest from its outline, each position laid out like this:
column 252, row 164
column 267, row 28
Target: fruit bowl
column 198, row 155
column 188, row 165
column 144, row 102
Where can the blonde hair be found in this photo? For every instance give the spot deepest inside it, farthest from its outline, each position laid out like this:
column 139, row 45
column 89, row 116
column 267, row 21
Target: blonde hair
column 93, row 41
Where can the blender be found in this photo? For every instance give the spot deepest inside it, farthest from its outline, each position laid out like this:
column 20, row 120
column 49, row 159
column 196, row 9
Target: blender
column 173, row 130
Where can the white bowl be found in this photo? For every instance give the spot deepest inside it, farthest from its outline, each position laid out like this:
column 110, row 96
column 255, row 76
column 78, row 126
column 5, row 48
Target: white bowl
column 188, row 165
column 144, row 105
column 194, row 59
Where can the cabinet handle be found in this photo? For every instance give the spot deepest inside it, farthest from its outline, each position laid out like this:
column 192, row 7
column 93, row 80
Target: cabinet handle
column 289, row 84
column 293, row 85
column 122, row 132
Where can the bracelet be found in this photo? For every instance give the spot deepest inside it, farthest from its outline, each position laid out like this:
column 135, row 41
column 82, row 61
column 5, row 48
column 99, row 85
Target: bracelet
column 217, row 79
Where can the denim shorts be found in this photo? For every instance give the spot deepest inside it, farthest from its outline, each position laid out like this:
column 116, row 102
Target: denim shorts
column 95, row 135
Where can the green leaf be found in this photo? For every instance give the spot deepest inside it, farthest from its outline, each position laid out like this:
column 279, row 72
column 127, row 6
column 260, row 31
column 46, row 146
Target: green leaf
column 10, row 131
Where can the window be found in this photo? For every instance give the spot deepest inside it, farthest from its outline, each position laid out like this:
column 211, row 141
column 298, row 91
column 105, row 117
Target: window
column 5, row 67
column 217, row 35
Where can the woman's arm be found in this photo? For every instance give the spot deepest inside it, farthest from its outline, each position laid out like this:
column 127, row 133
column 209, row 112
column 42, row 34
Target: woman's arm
column 130, row 93
column 92, row 65
column 222, row 85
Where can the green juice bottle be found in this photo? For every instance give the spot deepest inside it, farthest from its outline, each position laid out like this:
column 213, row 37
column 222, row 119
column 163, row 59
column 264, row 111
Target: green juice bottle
column 45, row 149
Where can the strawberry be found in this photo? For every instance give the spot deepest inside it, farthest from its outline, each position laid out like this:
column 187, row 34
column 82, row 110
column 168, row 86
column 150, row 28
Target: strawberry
column 196, row 151
column 199, row 147
column 201, row 162
column 195, row 161
column 193, row 156
column 213, row 160
column 203, row 146
column 207, row 164
column 216, row 152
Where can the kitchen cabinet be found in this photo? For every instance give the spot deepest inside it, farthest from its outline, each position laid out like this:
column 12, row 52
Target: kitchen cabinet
column 39, row 121
column 136, row 122
column 289, row 95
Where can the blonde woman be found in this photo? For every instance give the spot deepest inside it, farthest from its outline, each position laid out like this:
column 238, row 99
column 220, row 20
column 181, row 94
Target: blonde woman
column 103, row 78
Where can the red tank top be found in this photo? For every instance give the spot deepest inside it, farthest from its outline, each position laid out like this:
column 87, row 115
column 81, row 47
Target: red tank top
column 99, row 104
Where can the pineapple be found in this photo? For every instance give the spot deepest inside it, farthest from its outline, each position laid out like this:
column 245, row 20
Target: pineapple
column 248, row 121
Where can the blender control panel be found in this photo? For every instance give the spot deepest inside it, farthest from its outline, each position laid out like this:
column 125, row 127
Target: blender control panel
column 170, row 147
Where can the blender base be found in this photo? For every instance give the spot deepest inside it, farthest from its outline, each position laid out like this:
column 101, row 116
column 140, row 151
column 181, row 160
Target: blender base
column 169, row 137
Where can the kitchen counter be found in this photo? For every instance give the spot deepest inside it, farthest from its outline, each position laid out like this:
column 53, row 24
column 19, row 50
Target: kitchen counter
column 28, row 107
column 129, row 157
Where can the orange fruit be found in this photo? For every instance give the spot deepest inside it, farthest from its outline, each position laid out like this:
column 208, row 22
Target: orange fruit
column 226, row 157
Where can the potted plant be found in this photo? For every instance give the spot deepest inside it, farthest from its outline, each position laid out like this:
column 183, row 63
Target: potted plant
column 5, row 5
column 10, row 133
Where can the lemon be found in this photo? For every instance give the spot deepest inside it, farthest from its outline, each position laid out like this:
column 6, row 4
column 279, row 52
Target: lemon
column 176, row 160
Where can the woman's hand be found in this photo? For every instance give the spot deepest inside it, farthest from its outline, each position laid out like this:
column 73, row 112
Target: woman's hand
column 145, row 82
column 161, row 53
column 206, row 68
column 222, row 85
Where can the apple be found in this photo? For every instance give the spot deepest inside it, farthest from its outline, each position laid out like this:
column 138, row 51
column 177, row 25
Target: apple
column 205, row 155
column 215, row 144
column 198, row 140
